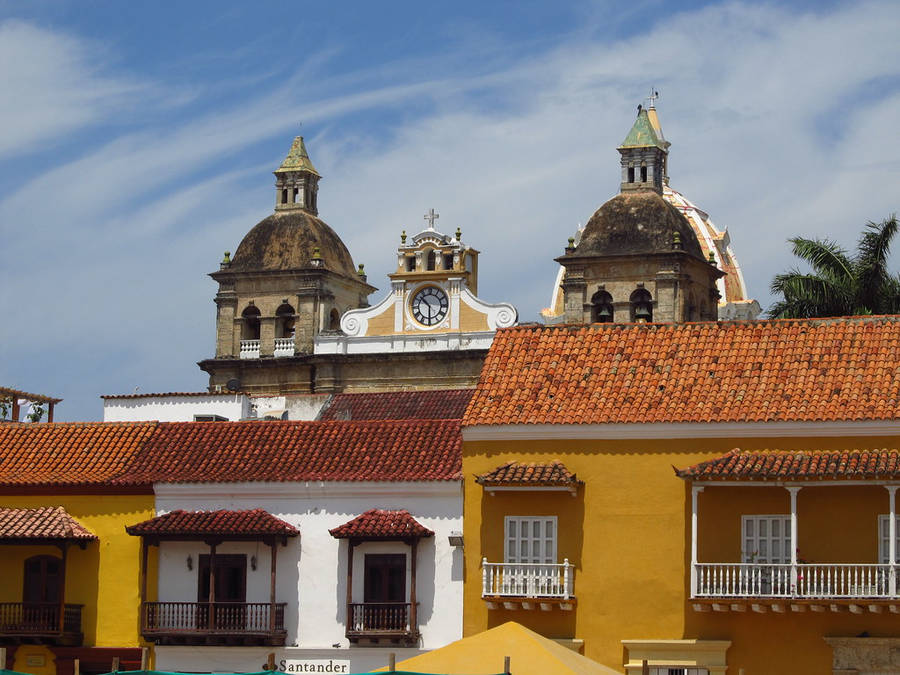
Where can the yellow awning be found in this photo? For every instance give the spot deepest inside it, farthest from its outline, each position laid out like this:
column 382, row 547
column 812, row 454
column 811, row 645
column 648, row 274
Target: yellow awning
column 530, row 654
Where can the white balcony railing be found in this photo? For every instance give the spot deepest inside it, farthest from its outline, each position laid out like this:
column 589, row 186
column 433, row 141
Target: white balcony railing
column 527, row 580
column 249, row 349
column 810, row 581
column 284, row 346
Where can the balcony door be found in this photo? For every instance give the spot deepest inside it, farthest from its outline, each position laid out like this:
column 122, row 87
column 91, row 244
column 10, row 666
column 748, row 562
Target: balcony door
column 42, row 577
column 530, row 539
column 231, row 592
column 385, row 577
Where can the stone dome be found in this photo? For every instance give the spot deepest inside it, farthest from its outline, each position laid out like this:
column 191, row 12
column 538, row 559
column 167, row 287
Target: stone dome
column 287, row 240
column 636, row 223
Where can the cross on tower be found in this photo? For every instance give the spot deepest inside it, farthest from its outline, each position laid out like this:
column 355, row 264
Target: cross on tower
column 652, row 98
column 431, row 216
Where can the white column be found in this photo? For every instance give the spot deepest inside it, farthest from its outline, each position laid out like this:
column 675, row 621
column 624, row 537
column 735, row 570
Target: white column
column 892, row 539
column 695, row 490
column 794, row 491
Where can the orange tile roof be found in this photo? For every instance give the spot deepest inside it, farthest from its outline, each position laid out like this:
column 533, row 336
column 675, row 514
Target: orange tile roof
column 46, row 523
column 519, row 473
column 68, row 454
column 739, row 464
column 399, row 405
column 254, row 522
column 383, row 450
column 381, row 524
column 753, row 371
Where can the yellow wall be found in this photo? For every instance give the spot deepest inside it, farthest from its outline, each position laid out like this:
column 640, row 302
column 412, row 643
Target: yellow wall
column 104, row 577
column 628, row 533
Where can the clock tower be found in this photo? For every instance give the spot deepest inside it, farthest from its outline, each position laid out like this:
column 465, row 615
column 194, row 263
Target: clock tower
column 432, row 306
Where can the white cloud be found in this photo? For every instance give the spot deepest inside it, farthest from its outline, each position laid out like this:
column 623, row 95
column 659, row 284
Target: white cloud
column 52, row 84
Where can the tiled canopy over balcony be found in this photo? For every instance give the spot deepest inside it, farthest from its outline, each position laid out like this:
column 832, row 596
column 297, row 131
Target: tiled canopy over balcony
column 771, row 573
column 528, row 584
column 396, row 619
column 189, row 622
column 58, row 622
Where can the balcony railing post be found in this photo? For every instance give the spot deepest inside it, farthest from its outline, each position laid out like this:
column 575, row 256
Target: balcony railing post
column 566, row 579
column 485, row 588
column 695, row 491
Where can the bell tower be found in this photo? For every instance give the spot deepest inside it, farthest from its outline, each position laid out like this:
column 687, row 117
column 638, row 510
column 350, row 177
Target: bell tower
column 644, row 153
column 297, row 181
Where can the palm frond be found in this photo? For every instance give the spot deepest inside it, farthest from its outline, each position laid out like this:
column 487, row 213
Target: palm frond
column 808, row 295
column 826, row 257
column 871, row 261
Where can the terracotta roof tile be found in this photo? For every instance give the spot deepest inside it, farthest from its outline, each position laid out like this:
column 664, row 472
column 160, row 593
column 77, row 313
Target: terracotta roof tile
column 57, row 454
column 754, row 371
column 207, row 523
column 399, row 405
column 49, row 522
column 519, row 473
column 179, row 452
column 381, row 524
column 739, row 464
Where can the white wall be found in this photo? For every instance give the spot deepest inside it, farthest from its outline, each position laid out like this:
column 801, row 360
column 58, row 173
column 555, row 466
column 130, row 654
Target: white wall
column 312, row 569
column 174, row 408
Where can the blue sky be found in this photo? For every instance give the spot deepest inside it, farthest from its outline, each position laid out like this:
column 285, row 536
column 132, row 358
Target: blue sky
column 139, row 138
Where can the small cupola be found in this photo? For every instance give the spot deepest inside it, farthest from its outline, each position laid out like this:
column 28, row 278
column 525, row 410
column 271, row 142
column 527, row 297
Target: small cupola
column 297, row 181
column 644, row 152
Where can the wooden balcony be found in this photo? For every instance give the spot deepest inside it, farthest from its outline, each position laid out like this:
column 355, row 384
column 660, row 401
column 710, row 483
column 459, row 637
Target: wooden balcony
column 528, row 585
column 40, row 623
column 836, row 587
column 377, row 620
column 201, row 623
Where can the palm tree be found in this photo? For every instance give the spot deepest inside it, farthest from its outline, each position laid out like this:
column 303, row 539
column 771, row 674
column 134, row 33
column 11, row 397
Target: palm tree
column 840, row 285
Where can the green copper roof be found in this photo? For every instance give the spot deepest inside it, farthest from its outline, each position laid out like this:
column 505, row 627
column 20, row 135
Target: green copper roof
column 297, row 159
column 642, row 134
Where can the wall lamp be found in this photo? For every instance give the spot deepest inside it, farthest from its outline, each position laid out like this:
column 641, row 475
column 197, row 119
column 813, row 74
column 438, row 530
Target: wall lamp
column 190, row 562
column 455, row 539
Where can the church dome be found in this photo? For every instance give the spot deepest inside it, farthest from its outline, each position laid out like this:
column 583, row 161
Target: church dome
column 288, row 240
column 636, row 223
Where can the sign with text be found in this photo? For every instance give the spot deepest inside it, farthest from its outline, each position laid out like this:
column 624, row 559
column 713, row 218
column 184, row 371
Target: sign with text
column 314, row 666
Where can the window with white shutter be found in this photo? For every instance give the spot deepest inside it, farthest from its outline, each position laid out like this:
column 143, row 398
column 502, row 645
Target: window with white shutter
column 884, row 541
column 530, row 539
column 766, row 539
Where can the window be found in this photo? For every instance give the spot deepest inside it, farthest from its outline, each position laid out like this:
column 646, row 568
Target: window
column 385, row 577
column 411, row 263
column 884, row 542
column 448, row 261
column 334, row 320
column 643, row 174
column 284, row 194
column 601, row 307
column 210, row 418
column 641, row 306
column 41, row 580
column 432, row 260
column 766, row 539
column 231, row 578
column 530, row 539
column 284, row 321
column 250, row 327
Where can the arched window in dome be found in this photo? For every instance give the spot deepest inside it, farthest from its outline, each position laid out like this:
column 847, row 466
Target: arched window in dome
column 693, row 309
column 601, row 307
column 641, row 306
column 250, row 323
column 643, row 173
column 411, row 263
column 432, row 260
column 284, row 321
column 334, row 319
column 630, row 174
column 284, row 194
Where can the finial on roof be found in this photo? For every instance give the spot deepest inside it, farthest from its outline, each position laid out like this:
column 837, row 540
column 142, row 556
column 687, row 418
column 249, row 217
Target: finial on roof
column 403, row 237
column 640, row 107
column 431, row 216
column 652, row 98
column 458, row 234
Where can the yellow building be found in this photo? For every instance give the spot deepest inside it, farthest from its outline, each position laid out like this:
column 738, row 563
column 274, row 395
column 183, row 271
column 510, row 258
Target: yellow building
column 70, row 572
column 767, row 552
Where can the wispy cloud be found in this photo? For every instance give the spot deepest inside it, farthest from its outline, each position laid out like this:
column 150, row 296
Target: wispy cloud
column 759, row 103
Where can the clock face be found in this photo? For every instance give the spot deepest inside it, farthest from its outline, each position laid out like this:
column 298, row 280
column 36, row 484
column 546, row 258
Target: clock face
column 429, row 306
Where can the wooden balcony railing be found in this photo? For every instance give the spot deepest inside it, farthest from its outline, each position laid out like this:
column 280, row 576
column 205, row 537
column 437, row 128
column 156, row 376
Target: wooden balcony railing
column 527, row 580
column 202, row 622
column 41, row 622
column 380, row 619
column 802, row 581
